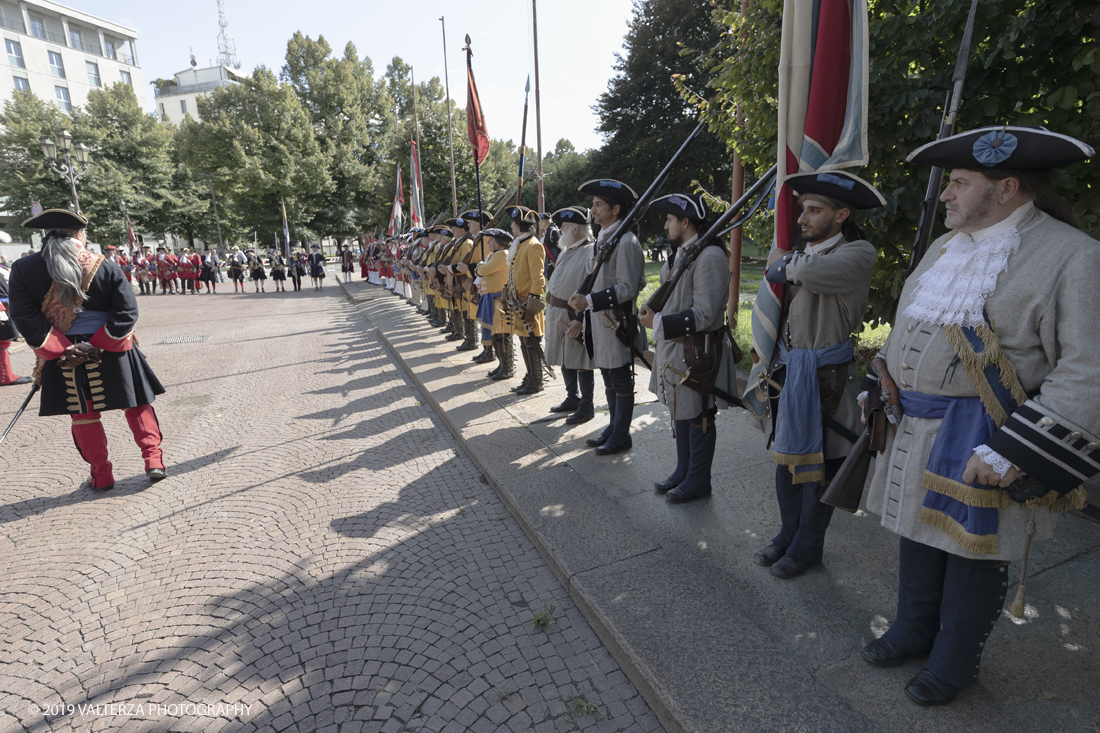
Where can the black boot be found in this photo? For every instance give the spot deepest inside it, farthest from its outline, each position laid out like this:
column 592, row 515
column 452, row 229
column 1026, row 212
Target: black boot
column 487, row 354
column 459, row 332
column 572, row 401
column 470, row 344
column 496, row 343
column 696, row 483
column 535, row 367
column 599, row 440
column 586, row 380
column 525, row 355
column 507, row 356
column 619, row 440
column 683, row 457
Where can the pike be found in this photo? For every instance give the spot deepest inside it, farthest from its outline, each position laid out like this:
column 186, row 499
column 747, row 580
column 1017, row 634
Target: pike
column 846, row 489
column 23, row 407
column 523, row 141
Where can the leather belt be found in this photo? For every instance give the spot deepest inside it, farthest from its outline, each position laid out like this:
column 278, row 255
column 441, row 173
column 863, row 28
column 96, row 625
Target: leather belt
column 559, row 303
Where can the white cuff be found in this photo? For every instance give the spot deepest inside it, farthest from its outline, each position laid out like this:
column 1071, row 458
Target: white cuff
column 861, row 396
column 588, row 298
column 993, row 459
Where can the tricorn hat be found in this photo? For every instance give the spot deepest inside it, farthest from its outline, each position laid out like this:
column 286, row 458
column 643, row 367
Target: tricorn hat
column 498, row 234
column 57, row 219
column 523, row 214
column 611, row 189
column 477, row 215
column 844, row 187
column 458, row 222
column 684, row 205
column 570, row 215
column 1003, row 146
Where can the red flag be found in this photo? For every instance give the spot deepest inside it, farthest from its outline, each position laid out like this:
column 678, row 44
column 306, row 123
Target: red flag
column 130, row 232
column 475, row 118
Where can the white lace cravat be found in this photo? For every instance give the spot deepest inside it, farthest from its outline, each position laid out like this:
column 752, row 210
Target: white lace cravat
column 954, row 290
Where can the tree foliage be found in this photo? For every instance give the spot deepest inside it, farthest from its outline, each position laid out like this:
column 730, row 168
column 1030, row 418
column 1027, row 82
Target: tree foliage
column 1033, row 62
column 643, row 118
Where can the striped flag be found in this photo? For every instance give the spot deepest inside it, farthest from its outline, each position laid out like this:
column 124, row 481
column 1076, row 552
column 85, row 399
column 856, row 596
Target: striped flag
column 286, row 229
column 823, row 70
column 416, row 203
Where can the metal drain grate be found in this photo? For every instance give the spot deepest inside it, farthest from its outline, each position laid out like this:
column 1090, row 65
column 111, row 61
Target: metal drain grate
column 180, row 340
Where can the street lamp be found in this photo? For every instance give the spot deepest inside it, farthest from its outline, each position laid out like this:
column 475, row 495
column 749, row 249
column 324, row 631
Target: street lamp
column 67, row 171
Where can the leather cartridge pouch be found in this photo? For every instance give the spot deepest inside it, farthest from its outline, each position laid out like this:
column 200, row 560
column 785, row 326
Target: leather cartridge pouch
column 831, row 381
column 876, row 420
column 703, row 356
column 626, row 319
column 531, row 308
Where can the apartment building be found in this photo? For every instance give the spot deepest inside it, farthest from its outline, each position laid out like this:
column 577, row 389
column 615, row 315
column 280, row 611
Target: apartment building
column 61, row 54
column 177, row 99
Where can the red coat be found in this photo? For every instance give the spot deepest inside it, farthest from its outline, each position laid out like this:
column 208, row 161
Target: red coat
column 166, row 267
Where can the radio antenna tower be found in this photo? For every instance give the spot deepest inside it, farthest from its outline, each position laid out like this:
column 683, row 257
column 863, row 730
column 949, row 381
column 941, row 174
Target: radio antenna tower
column 227, row 49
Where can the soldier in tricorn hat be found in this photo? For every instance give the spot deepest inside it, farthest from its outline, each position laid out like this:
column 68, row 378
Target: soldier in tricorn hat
column 78, row 313
column 993, row 357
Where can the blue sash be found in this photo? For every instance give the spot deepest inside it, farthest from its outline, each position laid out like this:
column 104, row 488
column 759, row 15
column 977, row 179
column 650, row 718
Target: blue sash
column 798, row 425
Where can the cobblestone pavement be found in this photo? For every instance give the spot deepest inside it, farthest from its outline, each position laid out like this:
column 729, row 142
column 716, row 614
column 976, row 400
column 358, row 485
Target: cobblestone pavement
column 319, row 559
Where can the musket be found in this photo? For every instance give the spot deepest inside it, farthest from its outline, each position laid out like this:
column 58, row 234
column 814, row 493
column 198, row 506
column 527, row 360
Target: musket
column 604, row 253
column 523, row 141
column 23, row 407
column 931, row 201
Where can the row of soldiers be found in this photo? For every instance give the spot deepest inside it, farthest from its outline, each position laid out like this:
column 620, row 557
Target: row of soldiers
column 984, row 407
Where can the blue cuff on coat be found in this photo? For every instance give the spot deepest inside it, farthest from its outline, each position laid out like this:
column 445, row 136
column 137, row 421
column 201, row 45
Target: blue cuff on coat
column 679, row 324
column 604, row 300
column 1048, row 447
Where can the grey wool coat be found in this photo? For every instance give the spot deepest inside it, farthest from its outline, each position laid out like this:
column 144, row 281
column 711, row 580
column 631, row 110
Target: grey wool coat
column 1046, row 312
column 569, row 272
column 699, row 299
column 620, row 280
column 828, row 309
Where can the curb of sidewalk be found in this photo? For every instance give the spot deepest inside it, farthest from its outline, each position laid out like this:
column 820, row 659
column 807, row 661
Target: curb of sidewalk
column 597, row 591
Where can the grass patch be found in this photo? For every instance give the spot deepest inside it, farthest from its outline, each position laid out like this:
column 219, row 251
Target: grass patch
column 544, row 618
column 580, row 705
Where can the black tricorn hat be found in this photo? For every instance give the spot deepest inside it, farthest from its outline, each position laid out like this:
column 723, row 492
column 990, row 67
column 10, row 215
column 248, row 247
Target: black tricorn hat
column 1003, row 146
column 844, row 187
column 523, row 214
column 57, row 219
column 498, row 234
column 684, row 205
column 476, row 215
column 609, row 188
column 571, row 215
column 458, row 222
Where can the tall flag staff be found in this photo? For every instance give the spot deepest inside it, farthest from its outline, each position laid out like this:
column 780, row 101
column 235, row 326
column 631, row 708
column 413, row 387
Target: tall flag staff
column 822, row 126
column 475, row 122
column 416, row 185
column 538, row 107
column 450, row 135
column 523, row 141
column 286, row 230
column 395, row 214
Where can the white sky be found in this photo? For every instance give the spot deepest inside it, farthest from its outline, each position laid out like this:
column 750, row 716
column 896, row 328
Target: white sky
column 577, row 43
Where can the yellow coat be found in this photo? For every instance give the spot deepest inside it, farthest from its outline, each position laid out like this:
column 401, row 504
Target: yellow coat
column 427, row 282
column 460, row 251
column 494, row 274
column 481, row 253
column 529, row 278
column 443, row 258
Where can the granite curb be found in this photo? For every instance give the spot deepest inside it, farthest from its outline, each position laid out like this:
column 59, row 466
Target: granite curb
column 697, row 660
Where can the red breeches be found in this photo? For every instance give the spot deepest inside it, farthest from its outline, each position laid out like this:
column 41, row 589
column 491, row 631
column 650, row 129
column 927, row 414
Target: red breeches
column 7, row 374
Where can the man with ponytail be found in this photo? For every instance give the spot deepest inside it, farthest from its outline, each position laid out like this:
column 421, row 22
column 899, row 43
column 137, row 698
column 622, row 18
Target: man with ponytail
column 77, row 312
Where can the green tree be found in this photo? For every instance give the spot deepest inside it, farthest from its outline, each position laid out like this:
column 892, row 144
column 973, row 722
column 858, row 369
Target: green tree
column 1032, row 63
column 352, row 120
column 24, row 173
column 643, row 118
column 259, row 143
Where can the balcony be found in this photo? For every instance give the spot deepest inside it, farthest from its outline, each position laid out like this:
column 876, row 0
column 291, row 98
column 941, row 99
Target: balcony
column 14, row 25
column 174, row 90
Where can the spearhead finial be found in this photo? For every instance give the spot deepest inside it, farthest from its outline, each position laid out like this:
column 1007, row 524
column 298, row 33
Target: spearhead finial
column 528, row 87
column 467, row 39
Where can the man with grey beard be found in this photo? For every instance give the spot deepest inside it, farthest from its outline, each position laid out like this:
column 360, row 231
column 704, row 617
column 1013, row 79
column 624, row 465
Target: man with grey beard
column 78, row 313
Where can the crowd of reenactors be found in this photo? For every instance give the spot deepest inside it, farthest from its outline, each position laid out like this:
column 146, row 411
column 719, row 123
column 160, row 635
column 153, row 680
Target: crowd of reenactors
column 982, row 406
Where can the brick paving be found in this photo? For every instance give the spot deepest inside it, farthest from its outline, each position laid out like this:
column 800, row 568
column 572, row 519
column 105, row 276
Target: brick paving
column 321, row 557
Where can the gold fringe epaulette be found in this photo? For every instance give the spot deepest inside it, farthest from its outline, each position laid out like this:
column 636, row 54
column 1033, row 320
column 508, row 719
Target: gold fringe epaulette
column 983, row 544
column 975, row 365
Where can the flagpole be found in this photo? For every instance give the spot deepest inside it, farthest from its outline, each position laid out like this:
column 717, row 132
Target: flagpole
column 734, row 304
column 523, row 144
column 417, row 180
column 450, row 136
column 538, row 108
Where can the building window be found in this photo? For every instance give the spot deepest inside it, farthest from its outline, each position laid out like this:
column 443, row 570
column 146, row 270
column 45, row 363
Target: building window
column 75, row 40
column 21, row 84
column 125, row 76
column 15, row 54
column 63, row 100
column 57, row 66
column 163, row 114
column 38, row 28
column 183, row 106
column 93, row 74
column 109, row 50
